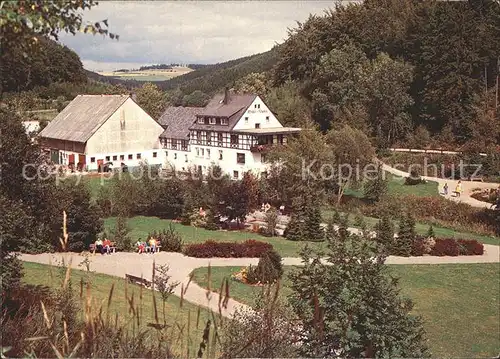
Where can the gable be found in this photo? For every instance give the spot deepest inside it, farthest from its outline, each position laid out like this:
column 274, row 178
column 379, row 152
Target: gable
column 257, row 113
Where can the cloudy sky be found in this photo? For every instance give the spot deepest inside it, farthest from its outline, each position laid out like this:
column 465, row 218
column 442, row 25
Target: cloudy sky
column 187, row 31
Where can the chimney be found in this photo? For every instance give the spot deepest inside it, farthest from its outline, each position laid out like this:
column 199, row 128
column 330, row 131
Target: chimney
column 226, row 96
column 133, row 96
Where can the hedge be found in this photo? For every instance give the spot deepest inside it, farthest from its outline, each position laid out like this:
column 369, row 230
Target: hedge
column 210, row 249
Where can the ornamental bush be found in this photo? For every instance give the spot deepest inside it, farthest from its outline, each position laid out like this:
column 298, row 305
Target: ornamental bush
column 209, row 249
column 268, row 270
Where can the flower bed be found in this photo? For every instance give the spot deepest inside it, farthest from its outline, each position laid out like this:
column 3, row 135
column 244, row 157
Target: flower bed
column 447, row 247
column 248, row 249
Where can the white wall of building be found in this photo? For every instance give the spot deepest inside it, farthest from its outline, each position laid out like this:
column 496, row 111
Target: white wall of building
column 130, row 135
column 257, row 113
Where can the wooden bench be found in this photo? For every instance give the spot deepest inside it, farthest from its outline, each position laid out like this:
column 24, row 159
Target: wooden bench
column 148, row 249
column 138, row 280
column 478, row 179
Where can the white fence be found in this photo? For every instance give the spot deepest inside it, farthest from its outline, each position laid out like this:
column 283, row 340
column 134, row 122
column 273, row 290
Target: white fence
column 443, row 152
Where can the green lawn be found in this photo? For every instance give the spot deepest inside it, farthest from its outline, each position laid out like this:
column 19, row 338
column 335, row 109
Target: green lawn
column 140, row 227
column 422, row 228
column 396, row 186
column 458, row 302
column 38, row 274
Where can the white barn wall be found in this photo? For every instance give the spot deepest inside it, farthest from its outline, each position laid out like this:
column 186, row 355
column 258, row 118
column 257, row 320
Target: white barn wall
column 140, row 134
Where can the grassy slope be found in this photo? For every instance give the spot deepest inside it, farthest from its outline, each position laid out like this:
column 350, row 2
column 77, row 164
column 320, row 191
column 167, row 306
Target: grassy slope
column 38, row 274
column 141, row 226
column 459, row 303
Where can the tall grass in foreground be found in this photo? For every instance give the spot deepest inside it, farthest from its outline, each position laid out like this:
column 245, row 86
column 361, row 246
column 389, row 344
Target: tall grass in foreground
column 37, row 322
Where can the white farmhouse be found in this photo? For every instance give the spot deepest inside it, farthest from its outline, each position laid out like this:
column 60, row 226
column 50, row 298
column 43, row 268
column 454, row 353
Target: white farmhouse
column 96, row 129
column 233, row 131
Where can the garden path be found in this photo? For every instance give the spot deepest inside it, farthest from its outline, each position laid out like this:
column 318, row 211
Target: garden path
column 467, row 187
column 120, row 264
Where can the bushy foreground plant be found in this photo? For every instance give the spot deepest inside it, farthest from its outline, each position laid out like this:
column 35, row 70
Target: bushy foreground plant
column 209, row 249
column 266, row 331
column 170, row 239
column 353, row 307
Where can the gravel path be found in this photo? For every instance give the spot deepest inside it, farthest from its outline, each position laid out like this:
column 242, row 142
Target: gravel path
column 119, row 264
column 467, row 187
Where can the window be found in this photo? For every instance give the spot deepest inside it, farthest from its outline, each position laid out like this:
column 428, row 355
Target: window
column 209, row 137
column 234, row 139
column 174, row 144
column 235, row 174
column 130, row 157
column 257, row 125
column 220, row 138
column 258, row 106
column 92, row 159
column 223, row 121
column 267, row 119
column 184, row 145
column 280, row 139
column 154, row 154
column 240, row 158
column 138, row 156
column 202, row 152
column 201, row 120
column 197, row 151
column 212, row 120
column 255, row 106
column 220, row 155
column 175, row 156
column 186, row 158
column 198, row 136
column 122, row 157
column 115, row 158
column 208, row 152
column 246, row 119
column 108, row 158
column 166, row 153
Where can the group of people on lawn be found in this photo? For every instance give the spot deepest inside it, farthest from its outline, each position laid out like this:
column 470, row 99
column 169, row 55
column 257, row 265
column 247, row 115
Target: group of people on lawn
column 150, row 246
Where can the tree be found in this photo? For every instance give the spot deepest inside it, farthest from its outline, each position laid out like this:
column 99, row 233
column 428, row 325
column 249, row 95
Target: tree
column 83, row 217
column 151, row 99
column 352, row 152
column 406, row 236
column 375, row 188
column 271, row 219
column 256, row 83
column 290, row 107
column 385, row 233
column 352, row 308
column 121, row 234
column 196, row 98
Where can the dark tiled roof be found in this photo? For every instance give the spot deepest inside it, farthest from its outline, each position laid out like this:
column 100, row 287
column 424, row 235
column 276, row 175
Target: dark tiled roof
column 232, row 110
column 178, row 120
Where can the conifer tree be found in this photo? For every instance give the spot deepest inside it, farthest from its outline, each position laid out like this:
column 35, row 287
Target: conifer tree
column 406, row 236
column 353, row 308
column 385, row 233
column 312, row 224
column 430, row 232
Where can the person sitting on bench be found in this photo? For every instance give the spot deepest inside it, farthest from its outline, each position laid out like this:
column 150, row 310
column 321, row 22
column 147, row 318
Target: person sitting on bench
column 152, row 245
column 98, row 245
column 106, row 246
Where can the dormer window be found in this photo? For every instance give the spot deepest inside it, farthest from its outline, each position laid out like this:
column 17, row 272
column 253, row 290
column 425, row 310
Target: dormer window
column 212, row 121
column 246, row 119
column 223, row 121
column 201, row 120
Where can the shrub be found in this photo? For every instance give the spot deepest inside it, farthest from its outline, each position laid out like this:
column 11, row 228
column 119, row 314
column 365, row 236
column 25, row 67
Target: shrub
column 268, row 270
column 418, row 247
column 446, row 247
column 414, row 179
column 249, row 249
column 470, row 247
column 170, row 239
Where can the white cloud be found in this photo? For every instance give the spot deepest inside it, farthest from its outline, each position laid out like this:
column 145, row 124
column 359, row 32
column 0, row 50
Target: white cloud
column 187, row 32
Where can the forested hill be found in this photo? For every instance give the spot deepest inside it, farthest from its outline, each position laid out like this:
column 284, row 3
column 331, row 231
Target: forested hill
column 401, row 68
column 48, row 62
column 211, row 78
